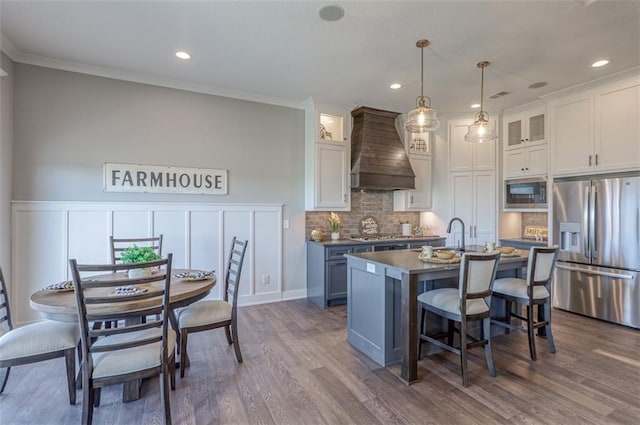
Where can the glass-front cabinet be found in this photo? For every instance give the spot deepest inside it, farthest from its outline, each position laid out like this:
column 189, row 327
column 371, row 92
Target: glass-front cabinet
column 327, row 156
column 524, row 128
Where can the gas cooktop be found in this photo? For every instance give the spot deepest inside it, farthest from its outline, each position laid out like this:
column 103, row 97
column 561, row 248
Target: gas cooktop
column 387, row 237
column 377, row 237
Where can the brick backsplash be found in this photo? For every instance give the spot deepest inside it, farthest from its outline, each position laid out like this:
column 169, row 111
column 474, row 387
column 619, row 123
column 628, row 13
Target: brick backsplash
column 533, row 219
column 378, row 204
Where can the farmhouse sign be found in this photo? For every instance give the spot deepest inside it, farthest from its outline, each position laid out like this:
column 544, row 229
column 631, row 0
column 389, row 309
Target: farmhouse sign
column 161, row 179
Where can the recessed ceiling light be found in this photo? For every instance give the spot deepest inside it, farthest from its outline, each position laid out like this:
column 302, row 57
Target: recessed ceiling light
column 395, row 86
column 475, row 105
column 183, row 55
column 331, row 13
column 598, row 64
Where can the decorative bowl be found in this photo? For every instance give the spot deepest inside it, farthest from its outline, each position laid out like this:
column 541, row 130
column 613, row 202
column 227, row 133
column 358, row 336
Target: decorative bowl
column 445, row 255
column 505, row 249
column 317, row 235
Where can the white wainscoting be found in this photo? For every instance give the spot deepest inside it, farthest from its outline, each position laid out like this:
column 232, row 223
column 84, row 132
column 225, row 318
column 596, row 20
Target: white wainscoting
column 45, row 235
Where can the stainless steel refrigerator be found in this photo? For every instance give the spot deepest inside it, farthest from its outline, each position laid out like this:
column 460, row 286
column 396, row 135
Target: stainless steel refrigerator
column 596, row 222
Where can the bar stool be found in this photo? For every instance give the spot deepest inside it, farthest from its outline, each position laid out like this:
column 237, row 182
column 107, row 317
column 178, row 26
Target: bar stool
column 535, row 290
column 471, row 301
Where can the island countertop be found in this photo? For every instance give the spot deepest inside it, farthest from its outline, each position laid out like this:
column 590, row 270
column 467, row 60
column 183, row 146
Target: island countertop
column 407, row 261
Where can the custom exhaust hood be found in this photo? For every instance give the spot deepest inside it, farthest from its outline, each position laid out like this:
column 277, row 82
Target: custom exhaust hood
column 378, row 157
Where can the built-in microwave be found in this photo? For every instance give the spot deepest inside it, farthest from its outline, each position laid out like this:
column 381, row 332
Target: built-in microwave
column 526, row 193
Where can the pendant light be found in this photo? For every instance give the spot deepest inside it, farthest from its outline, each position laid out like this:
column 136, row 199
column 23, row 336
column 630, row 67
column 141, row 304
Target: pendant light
column 422, row 118
column 480, row 131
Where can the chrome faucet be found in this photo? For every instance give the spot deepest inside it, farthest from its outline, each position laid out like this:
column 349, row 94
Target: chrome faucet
column 449, row 229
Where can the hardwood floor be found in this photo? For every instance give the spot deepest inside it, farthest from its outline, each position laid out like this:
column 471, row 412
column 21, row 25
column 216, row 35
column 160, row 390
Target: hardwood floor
column 299, row 369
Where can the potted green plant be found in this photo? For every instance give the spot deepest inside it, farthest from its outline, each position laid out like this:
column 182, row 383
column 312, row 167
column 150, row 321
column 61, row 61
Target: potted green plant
column 139, row 254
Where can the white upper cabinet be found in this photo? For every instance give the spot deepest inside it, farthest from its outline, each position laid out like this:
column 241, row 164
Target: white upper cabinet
column 418, row 199
column 617, row 126
column 596, row 130
column 464, row 156
column 526, row 128
column 327, row 157
column 524, row 142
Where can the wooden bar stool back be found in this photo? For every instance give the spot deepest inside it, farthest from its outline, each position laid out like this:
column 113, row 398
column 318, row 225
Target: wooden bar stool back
column 534, row 291
column 469, row 302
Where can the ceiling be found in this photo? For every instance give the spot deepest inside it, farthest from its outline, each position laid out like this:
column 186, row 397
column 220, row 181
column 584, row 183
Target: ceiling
column 282, row 52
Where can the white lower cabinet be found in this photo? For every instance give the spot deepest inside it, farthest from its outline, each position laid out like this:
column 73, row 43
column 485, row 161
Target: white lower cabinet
column 418, row 199
column 474, row 201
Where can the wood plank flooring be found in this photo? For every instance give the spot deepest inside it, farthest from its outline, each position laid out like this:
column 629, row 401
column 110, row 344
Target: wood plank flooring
column 299, row 369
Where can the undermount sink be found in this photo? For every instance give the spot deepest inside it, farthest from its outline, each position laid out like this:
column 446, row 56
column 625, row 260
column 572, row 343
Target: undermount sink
column 457, row 249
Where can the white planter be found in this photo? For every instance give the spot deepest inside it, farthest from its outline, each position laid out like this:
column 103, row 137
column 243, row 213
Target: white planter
column 138, row 273
column 335, row 236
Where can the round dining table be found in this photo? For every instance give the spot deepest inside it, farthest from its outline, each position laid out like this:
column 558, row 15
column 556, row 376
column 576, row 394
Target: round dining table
column 61, row 305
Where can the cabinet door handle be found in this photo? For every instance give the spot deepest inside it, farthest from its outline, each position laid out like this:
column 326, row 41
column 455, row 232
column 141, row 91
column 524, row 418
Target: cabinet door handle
column 522, row 169
column 589, row 160
column 345, row 197
column 526, row 140
column 527, row 168
column 596, row 159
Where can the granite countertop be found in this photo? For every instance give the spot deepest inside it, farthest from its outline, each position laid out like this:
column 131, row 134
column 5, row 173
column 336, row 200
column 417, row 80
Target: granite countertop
column 401, row 239
column 407, row 260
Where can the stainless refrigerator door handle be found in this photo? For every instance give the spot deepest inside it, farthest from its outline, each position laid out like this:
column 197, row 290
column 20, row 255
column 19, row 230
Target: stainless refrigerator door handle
column 585, row 219
column 592, row 222
column 595, row 272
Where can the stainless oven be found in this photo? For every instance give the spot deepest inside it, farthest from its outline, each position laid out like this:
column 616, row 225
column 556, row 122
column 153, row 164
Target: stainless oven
column 526, row 193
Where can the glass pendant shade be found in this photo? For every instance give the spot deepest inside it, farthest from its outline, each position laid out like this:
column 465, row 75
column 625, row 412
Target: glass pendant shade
column 480, row 131
column 422, row 118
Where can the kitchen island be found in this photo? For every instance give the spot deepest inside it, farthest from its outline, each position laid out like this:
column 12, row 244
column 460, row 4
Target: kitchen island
column 382, row 310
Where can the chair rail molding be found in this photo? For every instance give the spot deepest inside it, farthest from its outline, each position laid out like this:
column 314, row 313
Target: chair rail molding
column 45, row 235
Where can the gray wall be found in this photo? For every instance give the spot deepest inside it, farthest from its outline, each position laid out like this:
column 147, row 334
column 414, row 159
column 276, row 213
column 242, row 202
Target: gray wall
column 67, row 125
column 6, row 169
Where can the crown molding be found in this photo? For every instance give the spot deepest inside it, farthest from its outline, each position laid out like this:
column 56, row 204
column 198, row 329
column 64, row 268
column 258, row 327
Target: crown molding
column 8, row 48
column 136, row 77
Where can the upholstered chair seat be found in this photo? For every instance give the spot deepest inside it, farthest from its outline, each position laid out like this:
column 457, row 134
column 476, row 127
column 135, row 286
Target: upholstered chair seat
column 204, row 312
column 448, row 299
column 39, row 338
column 518, row 288
column 110, row 363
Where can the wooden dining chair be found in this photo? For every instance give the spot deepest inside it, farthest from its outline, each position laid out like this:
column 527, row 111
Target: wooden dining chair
column 534, row 291
column 471, row 301
column 212, row 314
column 36, row 342
column 134, row 350
column 118, row 245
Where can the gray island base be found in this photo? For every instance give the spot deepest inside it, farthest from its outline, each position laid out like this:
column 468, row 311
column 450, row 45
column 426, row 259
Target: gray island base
column 382, row 310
